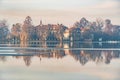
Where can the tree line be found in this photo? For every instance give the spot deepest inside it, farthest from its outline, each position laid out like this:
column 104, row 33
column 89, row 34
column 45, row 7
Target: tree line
column 82, row 30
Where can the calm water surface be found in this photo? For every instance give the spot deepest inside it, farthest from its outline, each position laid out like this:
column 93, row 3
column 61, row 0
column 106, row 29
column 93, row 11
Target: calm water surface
column 60, row 61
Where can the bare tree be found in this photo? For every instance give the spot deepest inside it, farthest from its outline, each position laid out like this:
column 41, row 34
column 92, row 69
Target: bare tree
column 27, row 29
column 15, row 31
column 4, row 31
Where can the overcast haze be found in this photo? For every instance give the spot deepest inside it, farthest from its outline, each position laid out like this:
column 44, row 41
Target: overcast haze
column 59, row 11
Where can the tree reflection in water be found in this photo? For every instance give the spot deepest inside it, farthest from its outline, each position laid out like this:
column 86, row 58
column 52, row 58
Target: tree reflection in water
column 57, row 51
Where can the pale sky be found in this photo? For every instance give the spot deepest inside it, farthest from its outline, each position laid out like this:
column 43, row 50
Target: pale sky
column 59, row 11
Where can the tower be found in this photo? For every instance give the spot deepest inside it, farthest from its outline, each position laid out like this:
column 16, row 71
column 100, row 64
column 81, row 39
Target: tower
column 41, row 23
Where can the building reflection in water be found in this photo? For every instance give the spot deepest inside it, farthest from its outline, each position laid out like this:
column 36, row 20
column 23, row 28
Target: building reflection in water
column 60, row 50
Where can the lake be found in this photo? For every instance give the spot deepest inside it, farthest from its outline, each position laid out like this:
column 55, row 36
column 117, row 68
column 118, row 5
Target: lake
column 60, row 61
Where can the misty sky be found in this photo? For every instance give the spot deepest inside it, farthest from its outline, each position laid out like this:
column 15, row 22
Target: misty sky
column 59, row 11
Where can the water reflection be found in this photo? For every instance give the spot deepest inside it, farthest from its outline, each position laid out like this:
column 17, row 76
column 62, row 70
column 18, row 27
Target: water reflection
column 83, row 56
column 59, row 50
column 60, row 60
